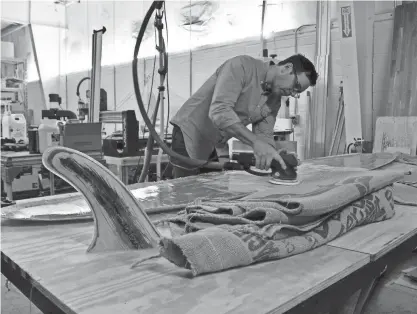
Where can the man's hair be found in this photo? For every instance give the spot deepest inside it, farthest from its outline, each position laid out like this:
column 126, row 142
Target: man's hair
column 302, row 64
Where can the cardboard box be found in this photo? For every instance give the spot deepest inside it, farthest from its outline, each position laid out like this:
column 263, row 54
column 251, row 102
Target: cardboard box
column 84, row 137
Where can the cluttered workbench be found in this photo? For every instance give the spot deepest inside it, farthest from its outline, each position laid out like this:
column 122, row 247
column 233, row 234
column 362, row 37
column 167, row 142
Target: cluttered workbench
column 15, row 163
column 44, row 243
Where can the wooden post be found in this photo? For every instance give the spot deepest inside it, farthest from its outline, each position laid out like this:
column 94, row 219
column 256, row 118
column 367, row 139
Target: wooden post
column 349, row 59
column 318, row 123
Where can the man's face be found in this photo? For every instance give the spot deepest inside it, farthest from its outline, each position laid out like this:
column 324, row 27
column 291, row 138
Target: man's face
column 289, row 83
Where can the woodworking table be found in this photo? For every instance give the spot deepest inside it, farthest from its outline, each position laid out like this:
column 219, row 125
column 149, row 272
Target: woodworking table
column 13, row 163
column 49, row 264
column 121, row 166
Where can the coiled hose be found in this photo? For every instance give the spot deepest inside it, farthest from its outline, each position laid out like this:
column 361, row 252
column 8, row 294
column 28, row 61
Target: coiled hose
column 155, row 136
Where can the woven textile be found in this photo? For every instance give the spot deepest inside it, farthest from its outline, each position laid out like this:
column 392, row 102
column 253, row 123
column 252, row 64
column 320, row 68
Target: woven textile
column 211, row 236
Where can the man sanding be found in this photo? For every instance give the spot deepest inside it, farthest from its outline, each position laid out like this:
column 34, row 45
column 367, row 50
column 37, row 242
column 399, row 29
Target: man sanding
column 242, row 90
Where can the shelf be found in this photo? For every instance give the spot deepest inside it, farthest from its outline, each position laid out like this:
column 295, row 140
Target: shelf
column 13, row 79
column 13, row 61
column 10, row 90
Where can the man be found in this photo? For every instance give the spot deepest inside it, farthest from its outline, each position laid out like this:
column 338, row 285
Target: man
column 243, row 90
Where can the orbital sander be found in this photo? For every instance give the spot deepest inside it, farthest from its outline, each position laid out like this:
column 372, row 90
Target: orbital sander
column 280, row 176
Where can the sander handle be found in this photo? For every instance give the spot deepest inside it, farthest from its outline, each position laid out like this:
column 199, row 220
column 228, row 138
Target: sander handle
column 247, row 160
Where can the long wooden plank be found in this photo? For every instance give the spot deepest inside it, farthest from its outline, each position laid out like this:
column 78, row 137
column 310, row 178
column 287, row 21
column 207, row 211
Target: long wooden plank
column 349, row 59
column 402, row 100
column 104, row 283
column 320, row 94
column 380, row 238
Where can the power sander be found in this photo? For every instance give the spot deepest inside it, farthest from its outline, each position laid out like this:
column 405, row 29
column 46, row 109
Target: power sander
column 280, row 176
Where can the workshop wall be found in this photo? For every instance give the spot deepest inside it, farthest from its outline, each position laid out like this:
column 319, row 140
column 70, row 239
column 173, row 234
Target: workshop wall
column 194, row 60
column 45, row 13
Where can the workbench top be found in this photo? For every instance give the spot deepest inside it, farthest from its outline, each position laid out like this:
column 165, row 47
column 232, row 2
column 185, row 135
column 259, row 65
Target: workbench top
column 53, row 256
column 103, row 283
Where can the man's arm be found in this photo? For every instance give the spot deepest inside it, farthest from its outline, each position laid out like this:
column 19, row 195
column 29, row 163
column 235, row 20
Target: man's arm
column 265, row 127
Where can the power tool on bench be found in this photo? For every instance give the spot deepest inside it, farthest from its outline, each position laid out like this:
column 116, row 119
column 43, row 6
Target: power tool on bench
column 278, row 175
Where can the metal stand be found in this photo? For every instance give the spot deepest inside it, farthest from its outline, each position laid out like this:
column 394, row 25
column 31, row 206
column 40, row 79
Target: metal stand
column 263, row 40
column 162, row 72
column 94, row 111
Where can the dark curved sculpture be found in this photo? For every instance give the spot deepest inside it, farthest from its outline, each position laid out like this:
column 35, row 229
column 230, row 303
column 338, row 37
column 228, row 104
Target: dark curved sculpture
column 120, row 221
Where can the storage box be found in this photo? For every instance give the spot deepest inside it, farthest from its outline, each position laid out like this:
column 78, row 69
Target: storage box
column 7, row 49
column 84, row 137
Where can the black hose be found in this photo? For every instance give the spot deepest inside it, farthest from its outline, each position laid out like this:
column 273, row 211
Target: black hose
column 149, row 146
column 185, row 160
column 348, row 148
column 79, row 84
column 162, row 72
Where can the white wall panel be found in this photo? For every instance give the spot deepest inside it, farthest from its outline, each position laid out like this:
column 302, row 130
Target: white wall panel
column 125, row 95
column 16, row 11
column 179, row 82
column 47, row 13
column 101, row 13
column 125, row 14
column 383, row 36
column 107, row 82
column 78, row 46
column 382, row 41
column 384, row 6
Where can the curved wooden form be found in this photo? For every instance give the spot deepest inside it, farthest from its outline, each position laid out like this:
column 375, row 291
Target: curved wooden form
column 120, row 221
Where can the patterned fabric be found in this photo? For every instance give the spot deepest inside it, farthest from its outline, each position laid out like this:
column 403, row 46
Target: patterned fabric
column 211, row 236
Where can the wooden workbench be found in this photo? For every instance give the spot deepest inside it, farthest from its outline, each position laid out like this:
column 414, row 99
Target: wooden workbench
column 49, row 263
column 120, row 166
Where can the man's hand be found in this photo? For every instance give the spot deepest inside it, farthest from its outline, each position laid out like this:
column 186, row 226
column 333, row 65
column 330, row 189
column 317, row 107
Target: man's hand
column 283, row 150
column 264, row 154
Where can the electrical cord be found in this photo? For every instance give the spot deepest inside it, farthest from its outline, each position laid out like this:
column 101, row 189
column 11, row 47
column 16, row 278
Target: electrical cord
column 149, row 146
column 185, row 160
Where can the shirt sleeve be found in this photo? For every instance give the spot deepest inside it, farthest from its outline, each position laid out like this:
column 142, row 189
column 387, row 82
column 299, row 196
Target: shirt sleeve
column 229, row 85
column 265, row 127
